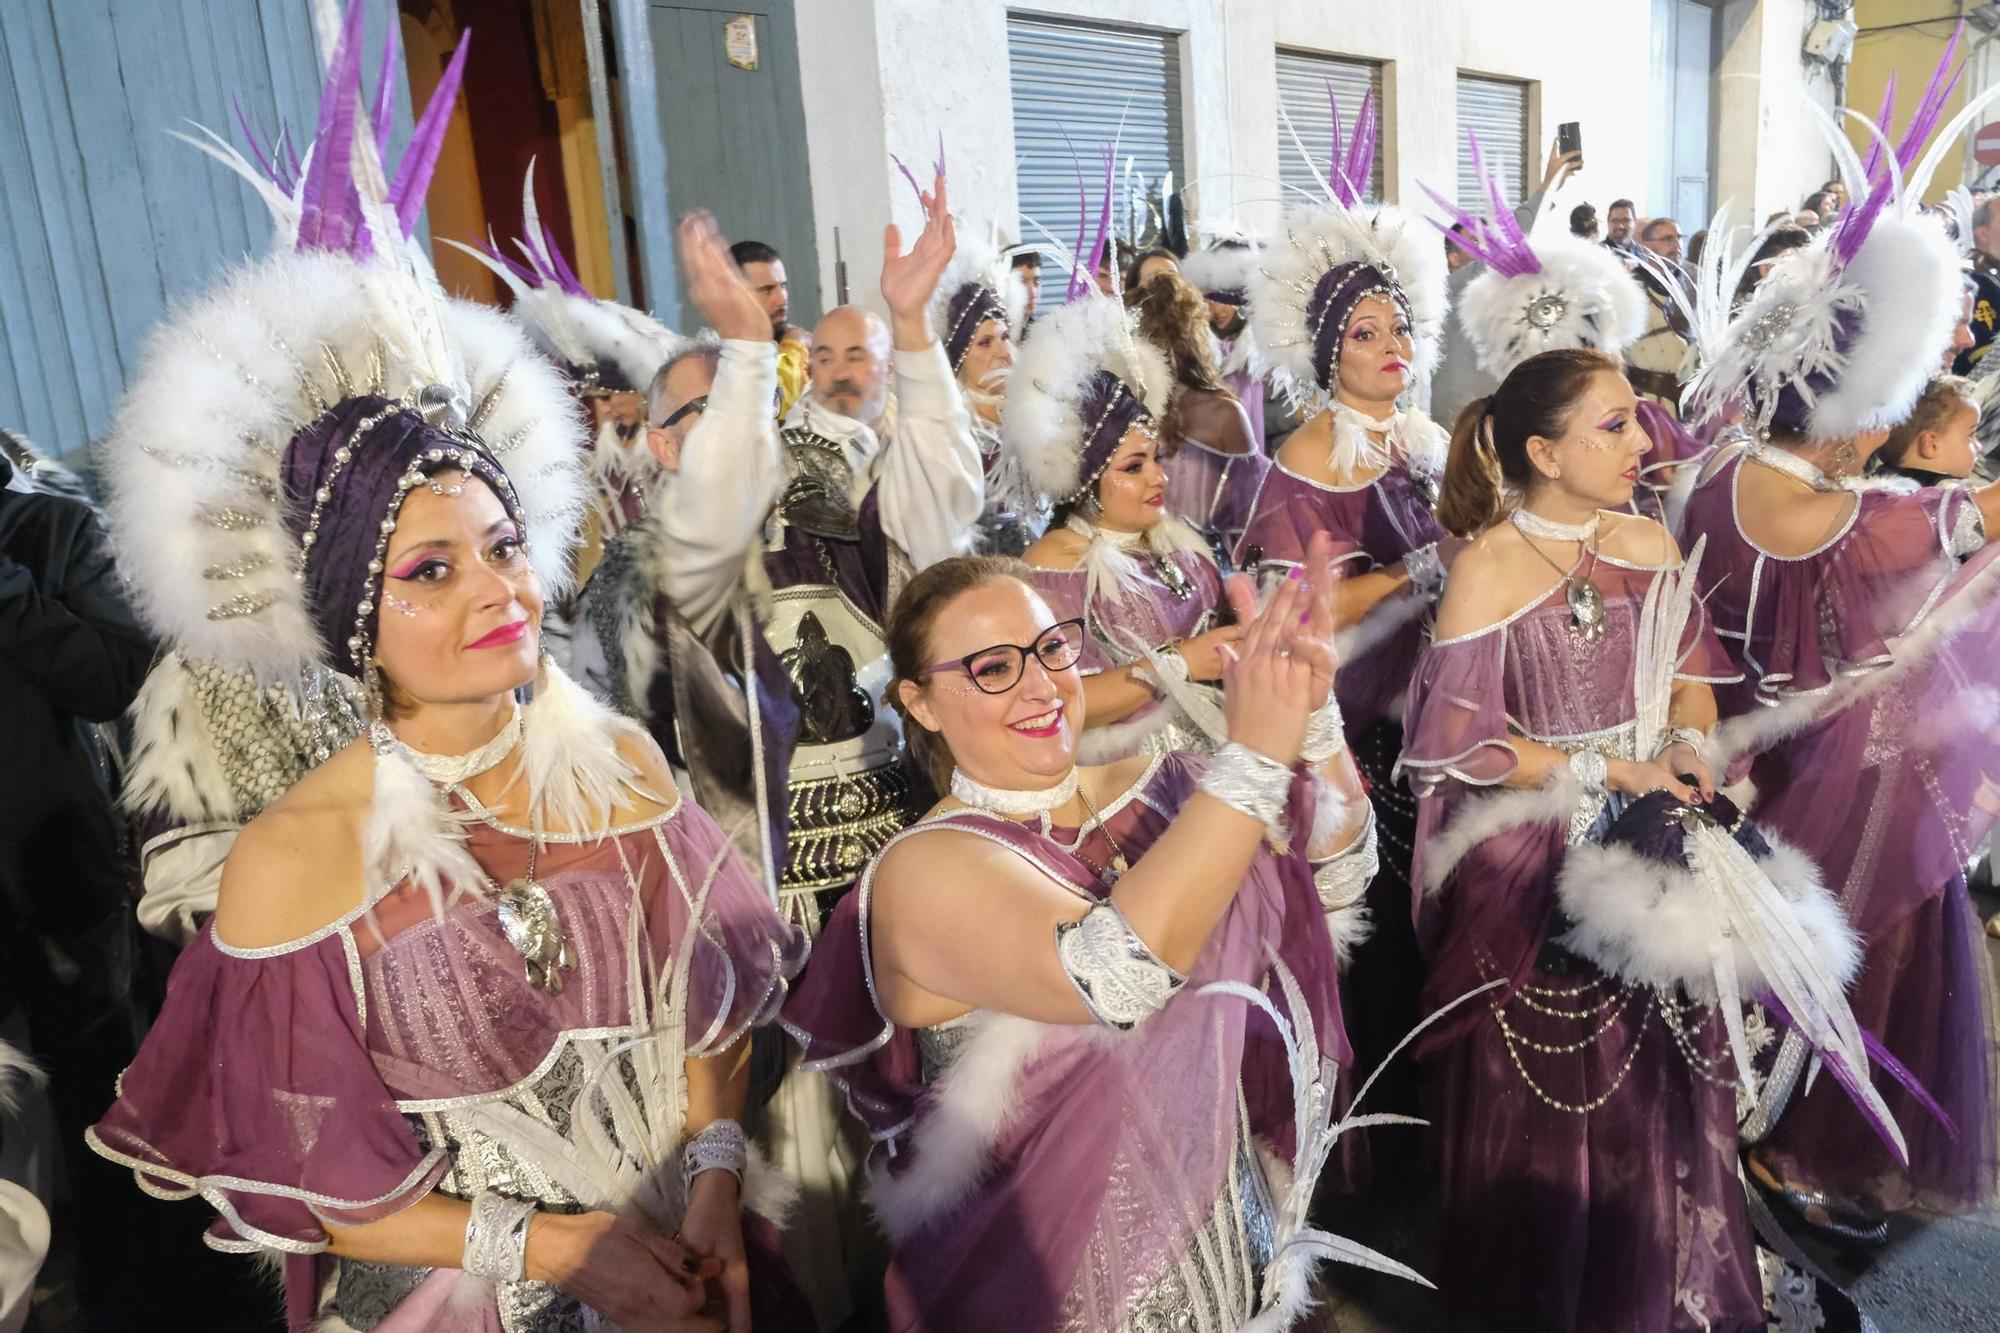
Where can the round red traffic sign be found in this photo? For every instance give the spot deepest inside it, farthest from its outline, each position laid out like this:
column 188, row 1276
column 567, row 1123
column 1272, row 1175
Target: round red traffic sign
column 1986, row 145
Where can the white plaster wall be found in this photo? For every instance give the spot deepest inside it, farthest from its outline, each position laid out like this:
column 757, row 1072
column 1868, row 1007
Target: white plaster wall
column 1769, row 156
column 886, row 76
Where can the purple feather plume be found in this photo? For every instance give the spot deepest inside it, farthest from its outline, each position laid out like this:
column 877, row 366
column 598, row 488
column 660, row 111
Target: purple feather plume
column 413, row 173
column 494, row 252
column 1859, row 219
column 1496, row 241
column 940, row 156
column 250, row 140
column 565, row 277
column 1336, row 175
column 1872, row 164
column 1361, row 147
column 330, row 213
column 911, row 177
column 1078, row 278
column 385, row 85
column 1103, row 217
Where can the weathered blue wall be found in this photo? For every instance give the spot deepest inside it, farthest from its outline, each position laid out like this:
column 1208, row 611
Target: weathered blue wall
column 105, row 219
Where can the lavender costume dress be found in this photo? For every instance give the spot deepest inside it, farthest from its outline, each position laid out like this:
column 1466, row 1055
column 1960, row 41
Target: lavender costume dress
column 1890, row 794
column 1627, row 1216
column 1373, row 525
column 1073, row 1178
column 341, row 1077
column 1134, row 606
column 1217, row 467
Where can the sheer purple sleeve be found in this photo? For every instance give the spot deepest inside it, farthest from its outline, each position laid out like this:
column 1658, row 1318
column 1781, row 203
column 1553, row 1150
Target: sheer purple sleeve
column 1702, row 656
column 1455, row 718
column 739, row 964
column 1834, row 613
column 1290, row 510
column 254, row 1090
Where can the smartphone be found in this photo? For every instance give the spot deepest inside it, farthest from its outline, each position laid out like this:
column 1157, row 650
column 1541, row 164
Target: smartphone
column 1569, row 137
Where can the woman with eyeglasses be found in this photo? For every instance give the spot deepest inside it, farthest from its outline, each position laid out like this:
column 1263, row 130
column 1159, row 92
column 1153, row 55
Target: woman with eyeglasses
column 1020, row 1001
column 1081, row 418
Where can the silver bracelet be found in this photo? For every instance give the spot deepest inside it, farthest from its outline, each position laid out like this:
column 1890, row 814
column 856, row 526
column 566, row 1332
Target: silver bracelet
column 721, row 1145
column 1426, row 570
column 1326, row 733
column 1120, row 979
column 1252, row 783
column 1592, row 772
column 496, row 1237
column 1692, row 737
column 1171, row 663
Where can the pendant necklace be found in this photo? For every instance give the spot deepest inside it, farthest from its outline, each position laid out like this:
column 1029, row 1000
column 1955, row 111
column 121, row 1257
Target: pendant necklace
column 528, row 919
column 1586, row 603
column 1117, row 866
column 526, row 912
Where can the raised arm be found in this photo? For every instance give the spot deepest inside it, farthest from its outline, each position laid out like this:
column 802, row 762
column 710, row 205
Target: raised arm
column 933, row 483
column 730, row 470
column 929, row 887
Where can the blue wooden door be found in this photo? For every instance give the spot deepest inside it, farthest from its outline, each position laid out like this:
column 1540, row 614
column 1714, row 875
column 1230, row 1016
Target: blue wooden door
column 105, row 219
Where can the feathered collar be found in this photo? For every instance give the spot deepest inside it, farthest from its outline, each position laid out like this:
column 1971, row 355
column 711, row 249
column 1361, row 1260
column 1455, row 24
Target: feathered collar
column 1112, row 562
column 1409, row 435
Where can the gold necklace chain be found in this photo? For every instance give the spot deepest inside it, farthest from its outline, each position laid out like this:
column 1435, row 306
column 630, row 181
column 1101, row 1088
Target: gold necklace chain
column 1118, row 865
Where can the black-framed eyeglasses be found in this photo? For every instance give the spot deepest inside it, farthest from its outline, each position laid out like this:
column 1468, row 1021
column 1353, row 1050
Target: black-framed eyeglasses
column 998, row 669
column 691, row 405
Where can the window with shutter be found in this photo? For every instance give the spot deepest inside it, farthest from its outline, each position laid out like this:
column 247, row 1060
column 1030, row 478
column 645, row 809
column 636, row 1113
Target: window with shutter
column 1303, row 80
column 1078, row 86
column 1497, row 111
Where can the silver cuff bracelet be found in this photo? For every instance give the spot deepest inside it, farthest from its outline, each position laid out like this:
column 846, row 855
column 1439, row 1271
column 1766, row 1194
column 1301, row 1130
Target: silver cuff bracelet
column 496, row 1237
column 1120, row 979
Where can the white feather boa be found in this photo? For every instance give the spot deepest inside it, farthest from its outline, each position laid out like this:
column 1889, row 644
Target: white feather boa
column 1407, row 434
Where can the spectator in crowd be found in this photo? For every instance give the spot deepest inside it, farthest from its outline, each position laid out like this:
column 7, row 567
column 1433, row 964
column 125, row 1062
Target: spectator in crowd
column 1583, row 221
column 1836, row 189
column 72, row 655
column 1146, row 265
column 764, row 269
column 1027, row 266
column 1619, row 221
column 1962, row 336
column 1695, row 245
column 1806, row 218
column 1455, row 258
column 1822, row 204
column 1775, row 246
column 1985, row 274
column 1663, row 237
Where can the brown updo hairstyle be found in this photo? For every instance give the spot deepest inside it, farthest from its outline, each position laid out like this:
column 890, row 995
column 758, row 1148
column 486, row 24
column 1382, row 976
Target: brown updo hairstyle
column 1537, row 398
column 1173, row 316
column 911, row 620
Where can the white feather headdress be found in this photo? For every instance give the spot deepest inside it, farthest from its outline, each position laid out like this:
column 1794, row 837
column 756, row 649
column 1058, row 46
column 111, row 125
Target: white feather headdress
column 1581, row 296
column 1313, row 243
column 1841, row 336
column 574, row 327
column 1043, row 422
column 978, row 260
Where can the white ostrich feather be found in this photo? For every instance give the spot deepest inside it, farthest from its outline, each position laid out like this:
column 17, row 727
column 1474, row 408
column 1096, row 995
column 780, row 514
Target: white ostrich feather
column 977, row 259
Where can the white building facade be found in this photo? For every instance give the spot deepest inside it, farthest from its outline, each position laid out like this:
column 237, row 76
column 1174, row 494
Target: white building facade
column 1647, row 80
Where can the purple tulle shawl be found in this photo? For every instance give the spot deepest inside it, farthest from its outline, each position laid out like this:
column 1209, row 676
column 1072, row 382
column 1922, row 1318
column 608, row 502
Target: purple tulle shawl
column 1118, row 1144
column 360, row 471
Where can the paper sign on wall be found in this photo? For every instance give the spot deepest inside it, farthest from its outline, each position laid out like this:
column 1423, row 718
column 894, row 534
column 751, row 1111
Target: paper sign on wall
column 739, row 41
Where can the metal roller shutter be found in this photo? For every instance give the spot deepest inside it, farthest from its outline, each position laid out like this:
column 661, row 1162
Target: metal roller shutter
column 1082, row 80
column 1303, row 78
column 1497, row 111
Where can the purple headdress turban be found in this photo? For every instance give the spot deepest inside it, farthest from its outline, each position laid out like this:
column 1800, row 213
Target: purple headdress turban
column 345, row 478
column 971, row 305
column 1331, row 305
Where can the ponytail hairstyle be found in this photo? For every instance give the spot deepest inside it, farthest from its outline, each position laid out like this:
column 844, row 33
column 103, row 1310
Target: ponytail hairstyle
column 1488, row 469
column 917, row 611
column 1173, row 316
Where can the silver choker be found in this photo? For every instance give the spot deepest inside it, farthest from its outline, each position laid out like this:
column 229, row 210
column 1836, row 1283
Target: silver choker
column 1778, row 460
column 1089, row 531
column 1534, row 525
column 1014, row 804
column 449, row 770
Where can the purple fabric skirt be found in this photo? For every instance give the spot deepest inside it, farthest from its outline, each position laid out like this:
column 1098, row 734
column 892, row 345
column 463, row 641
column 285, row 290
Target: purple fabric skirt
column 1926, row 990
column 1628, row 1219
